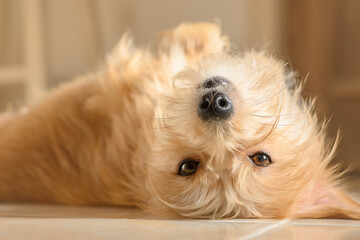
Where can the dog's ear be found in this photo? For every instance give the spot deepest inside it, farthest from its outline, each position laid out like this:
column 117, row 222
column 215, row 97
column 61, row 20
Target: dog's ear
column 323, row 200
column 193, row 40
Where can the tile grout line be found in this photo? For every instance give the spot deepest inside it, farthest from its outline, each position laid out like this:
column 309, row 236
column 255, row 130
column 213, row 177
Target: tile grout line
column 234, row 221
column 326, row 224
column 264, row 230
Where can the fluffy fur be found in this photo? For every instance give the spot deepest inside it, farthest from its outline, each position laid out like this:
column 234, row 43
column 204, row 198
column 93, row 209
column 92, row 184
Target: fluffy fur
column 117, row 137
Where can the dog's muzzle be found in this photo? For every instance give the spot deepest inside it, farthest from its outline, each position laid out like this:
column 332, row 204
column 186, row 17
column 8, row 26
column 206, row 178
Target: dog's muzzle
column 214, row 104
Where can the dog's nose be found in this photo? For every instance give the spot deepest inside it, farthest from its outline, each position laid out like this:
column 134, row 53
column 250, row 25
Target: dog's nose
column 214, row 82
column 215, row 106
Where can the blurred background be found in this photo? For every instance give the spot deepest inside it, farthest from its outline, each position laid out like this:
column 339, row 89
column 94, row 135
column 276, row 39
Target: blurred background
column 44, row 43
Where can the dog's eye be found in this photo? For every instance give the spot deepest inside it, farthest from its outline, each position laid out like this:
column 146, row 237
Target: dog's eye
column 188, row 167
column 260, row 159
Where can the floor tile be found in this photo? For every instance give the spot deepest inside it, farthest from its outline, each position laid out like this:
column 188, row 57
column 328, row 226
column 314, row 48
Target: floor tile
column 66, row 228
column 330, row 222
column 312, row 232
column 31, row 221
column 55, row 211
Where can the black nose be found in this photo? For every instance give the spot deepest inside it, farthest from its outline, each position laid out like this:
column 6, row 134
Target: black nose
column 214, row 82
column 215, row 106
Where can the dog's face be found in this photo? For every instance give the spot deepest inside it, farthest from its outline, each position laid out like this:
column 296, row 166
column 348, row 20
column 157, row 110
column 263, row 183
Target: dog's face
column 235, row 139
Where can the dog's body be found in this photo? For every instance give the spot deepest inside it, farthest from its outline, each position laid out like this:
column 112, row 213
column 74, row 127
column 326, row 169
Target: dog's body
column 121, row 136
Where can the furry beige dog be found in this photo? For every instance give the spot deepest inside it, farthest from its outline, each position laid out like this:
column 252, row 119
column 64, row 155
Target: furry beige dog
column 191, row 130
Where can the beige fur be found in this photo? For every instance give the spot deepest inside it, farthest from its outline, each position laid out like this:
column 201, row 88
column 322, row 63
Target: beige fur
column 117, row 137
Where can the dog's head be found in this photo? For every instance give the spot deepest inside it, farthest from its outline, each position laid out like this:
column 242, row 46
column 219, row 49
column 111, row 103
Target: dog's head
column 236, row 139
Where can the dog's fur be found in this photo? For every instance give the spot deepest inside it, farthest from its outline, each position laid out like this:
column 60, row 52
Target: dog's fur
column 117, row 137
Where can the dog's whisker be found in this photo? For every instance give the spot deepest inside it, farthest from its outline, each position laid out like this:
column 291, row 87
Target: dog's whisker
column 268, row 98
column 278, row 115
column 280, row 125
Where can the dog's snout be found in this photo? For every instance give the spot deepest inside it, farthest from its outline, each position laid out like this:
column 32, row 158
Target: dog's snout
column 214, row 82
column 215, row 106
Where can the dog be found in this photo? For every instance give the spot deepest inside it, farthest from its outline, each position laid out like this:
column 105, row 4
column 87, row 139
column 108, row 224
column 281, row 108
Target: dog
column 190, row 129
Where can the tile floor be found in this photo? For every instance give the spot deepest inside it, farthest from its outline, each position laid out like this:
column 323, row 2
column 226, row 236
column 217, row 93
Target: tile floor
column 25, row 221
